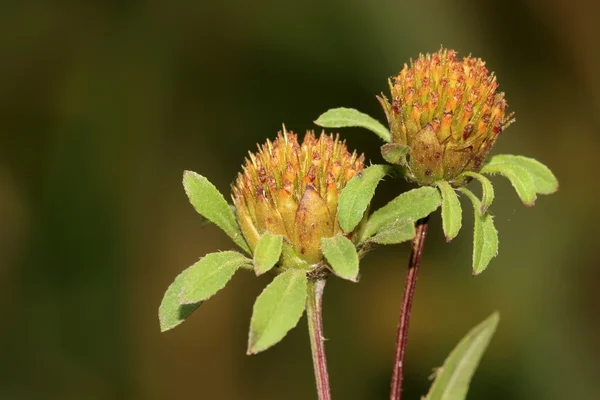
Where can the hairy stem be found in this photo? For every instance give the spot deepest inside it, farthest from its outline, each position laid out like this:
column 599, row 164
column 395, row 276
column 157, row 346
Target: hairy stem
column 314, row 313
column 409, row 290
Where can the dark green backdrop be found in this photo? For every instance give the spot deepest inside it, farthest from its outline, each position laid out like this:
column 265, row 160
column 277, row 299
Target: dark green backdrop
column 104, row 104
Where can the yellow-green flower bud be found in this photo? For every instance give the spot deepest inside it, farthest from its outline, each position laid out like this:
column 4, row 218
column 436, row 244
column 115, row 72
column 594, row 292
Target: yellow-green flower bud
column 292, row 189
column 448, row 112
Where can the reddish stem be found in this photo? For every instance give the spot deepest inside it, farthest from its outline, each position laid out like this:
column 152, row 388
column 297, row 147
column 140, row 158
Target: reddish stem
column 409, row 290
column 314, row 313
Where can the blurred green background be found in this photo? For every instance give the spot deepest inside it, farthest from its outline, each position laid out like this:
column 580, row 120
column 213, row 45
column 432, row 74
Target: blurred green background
column 104, row 104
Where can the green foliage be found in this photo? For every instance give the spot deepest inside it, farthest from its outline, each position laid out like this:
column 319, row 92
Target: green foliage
column 170, row 312
column 210, row 274
column 395, row 153
column 451, row 210
column 348, row 117
column 453, row 378
column 267, row 252
column 398, row 231
column 414, row 204
column 342, row 256
column 544, row 180
column 518, row 177
column 277, row 310
column 211, row 204
column 487, row 188
column 485, row 236
column 357, row 195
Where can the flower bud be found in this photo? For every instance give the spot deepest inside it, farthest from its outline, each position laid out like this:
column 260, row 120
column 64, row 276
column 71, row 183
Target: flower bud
column 448, row 112
column 292, row 189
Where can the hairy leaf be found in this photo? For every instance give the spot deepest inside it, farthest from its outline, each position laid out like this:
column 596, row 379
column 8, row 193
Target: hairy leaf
column 277, row 310
column 487, row 188
column 485, row 236
column 451, row 210
column 453, row 378
column 170, row 312
column 398, row 231
column 342, row 256
column 211, row 204
column 357, row 195
column 544, row 180
column 267, row 252
column 348, row 117
column 518, row 177
column 395, row 153
column 414, row 204
column 210, row 274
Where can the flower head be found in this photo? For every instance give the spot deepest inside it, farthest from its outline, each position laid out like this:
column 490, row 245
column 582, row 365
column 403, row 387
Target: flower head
column 292, row 189
column 448, row 112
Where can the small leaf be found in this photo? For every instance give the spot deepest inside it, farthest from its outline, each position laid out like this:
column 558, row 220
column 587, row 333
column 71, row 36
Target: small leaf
column 398, row 231
column 277, row 310
column 453, row 378
column 211, row 204
column 342, row 256
column 357, row 195
column 414, row 204
column 451, row 210
column 348, row 117
column 518, row 177
column 485, row 236
column 487, row 188
column 170, row 312
column 544, row 180
column 267, row 252
column 395, row 153
column 210, row 274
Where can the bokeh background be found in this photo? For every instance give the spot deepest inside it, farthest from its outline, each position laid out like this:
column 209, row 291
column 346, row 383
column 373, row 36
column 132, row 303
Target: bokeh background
column 104, row 104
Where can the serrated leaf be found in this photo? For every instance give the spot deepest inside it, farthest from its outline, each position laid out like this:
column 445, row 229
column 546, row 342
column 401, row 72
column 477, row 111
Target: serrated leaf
column 453, row 378
column 518, row 177
column 210, row 203
column 342, row 256
column 544, row 180
column 485, row 236
column 451, row 210
column 395, row 153
column 349, row 117
column 277, row 310
column 170, row 312
column 414, row 204
column 210, row 274
column 267, row 252
column 357, row 194
column 487, row 189
column 398, row 231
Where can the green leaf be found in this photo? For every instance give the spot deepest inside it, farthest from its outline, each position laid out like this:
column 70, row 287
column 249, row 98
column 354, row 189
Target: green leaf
column 395, row 153
column 267, row 252
column 488, row 189
column 451, row 210
column 342, row 256
column 210, row 274
column 170, row 312
column 357, row 195
column 211, row 204
column 414, row 204
column 398, row 231
column 518, row 177
column 544, row 180
column 485, row 236
column 453, row 378
column 277, row 310
column 347, row 117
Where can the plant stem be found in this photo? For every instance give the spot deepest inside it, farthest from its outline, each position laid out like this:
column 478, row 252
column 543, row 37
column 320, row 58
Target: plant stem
column 409, row 290
column 314, row 312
